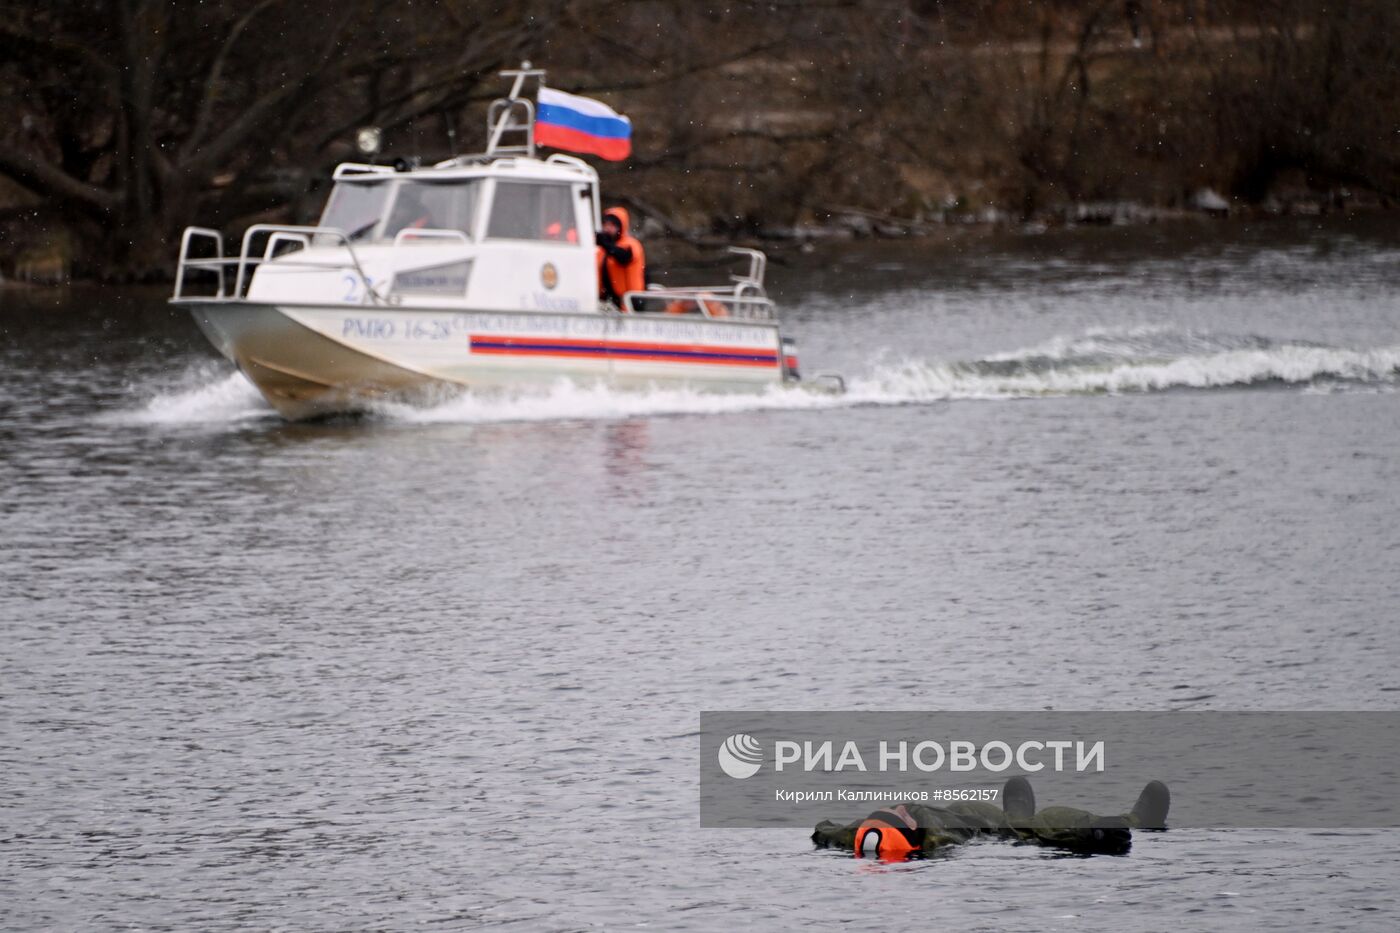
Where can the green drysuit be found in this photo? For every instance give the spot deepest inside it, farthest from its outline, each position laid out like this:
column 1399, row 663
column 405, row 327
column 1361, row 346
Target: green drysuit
column 1019, row 821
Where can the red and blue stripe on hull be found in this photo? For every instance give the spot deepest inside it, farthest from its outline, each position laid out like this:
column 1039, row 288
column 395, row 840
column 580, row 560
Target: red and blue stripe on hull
column 625, row 350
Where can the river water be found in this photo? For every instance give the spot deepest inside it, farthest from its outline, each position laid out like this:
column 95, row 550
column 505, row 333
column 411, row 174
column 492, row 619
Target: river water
column 443, row 667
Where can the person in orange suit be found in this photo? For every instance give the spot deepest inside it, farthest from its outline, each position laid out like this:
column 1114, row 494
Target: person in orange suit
column 621, row 259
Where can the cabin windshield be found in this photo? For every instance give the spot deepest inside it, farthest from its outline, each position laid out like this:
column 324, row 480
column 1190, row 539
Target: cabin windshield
column 433, row 205
column 354, row 207
column 358, row 207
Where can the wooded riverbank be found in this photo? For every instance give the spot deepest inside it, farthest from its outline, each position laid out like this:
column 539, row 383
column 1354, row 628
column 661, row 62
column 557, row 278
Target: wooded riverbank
column 776, row 121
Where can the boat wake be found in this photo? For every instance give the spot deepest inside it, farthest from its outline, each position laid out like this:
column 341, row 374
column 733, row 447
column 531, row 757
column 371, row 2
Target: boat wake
column 1140, row 360
column 1099, row 362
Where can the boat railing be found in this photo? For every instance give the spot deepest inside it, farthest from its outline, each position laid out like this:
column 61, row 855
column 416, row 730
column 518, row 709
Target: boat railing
column 743, row 299
column 514, row 116
column 247, row 261
column 215, row 264
column 408, row 234
column 758, row 267
column 710, row 302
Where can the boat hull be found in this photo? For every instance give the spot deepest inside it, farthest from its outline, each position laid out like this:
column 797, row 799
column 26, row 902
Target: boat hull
column 312, row 361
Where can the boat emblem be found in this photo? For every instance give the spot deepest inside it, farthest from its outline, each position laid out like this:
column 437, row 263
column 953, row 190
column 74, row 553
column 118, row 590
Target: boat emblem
column 549, row 275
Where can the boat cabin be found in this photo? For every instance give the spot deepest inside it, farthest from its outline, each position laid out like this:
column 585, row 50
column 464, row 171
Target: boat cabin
column 504, row 230
column 512, row 233
column 515, row 200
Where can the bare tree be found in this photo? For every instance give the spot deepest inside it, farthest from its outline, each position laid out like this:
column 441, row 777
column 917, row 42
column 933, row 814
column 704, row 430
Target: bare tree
column 130, row 118
column 133, row 111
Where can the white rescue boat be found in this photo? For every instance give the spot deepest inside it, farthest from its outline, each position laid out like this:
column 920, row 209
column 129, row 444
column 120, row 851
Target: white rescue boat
column 479, row 272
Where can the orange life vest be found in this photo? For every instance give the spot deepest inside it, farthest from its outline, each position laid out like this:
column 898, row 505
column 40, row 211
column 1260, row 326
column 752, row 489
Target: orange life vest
column 896, row 835
column 556, row 231
column 622, row 279
column 688, row 305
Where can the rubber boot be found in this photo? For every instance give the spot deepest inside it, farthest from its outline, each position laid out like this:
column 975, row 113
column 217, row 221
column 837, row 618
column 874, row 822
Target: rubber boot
column 1018, row 801
column 1150, row 811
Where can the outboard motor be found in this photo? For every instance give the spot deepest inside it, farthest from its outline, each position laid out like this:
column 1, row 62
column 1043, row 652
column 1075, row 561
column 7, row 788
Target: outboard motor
column 790, row 367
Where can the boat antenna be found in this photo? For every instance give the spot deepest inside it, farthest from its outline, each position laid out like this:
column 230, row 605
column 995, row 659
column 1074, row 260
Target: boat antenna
column 503, row 121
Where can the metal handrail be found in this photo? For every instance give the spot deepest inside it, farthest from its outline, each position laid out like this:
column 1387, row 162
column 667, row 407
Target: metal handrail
column 500, row 114
column 744, row 298
column 246, row 258
column 429, row 233
column 758, row 266
column 744, row 295
column 574, row 162
column 244, row 253
column 742, row 307
column 217, row 263
column 709, row 291
column 270, row 250
column 361, row 169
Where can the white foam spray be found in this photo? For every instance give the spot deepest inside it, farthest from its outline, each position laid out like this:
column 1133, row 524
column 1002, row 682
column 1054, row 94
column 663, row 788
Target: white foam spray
column 204, row 395
column 1098, row 362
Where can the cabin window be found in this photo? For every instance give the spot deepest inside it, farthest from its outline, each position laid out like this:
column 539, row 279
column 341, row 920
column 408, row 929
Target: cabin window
column 527, row 211
column 432, row 205
column 354, row 207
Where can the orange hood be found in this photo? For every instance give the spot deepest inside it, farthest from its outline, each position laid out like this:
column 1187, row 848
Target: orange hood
column 623, row 218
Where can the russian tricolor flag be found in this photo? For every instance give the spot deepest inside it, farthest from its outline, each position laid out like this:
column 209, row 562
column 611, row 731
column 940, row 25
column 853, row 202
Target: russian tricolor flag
column 580, row 124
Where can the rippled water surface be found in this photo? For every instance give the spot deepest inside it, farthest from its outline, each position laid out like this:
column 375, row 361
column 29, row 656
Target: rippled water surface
column 443, row 666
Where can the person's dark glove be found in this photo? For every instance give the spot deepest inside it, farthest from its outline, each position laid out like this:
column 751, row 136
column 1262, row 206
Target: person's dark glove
column 621, row 254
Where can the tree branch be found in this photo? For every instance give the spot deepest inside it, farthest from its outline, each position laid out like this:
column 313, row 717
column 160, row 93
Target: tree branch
column 466, row 73
column 48, row 180
column 257, row 113
column 706, row 65
column 215, row 78
column 18, row 39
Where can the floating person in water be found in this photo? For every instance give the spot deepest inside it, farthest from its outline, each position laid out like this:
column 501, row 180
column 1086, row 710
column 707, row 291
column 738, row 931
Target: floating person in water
column 908, row 831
